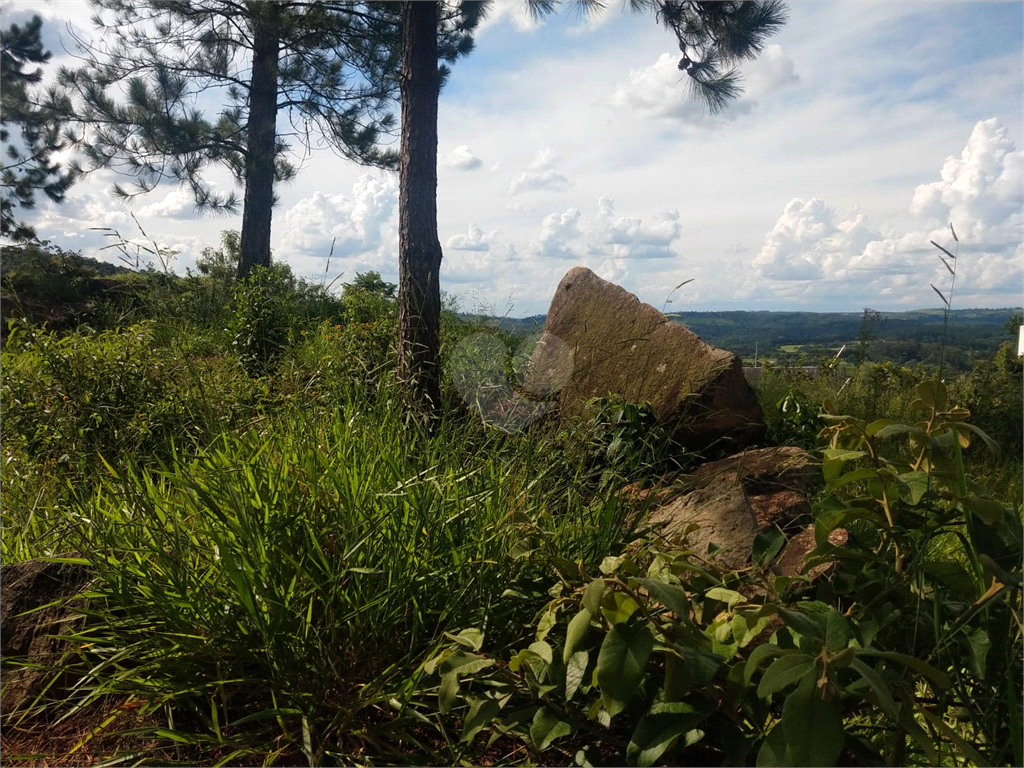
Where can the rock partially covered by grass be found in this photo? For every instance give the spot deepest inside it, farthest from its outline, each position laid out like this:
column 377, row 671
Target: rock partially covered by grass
column 619, row 345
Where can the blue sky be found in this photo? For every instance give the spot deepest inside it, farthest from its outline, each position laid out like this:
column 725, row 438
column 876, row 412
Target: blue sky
column 864, row 129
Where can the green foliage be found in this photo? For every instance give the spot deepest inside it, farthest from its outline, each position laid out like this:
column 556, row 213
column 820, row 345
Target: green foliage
column 667, row 659
column 798, row 423
column 28, row 168
column 370, row 282
column 626, row 439
column 72, row 399
column 276, row 593
column 262, row 323
column 45, row 283
column 994, row 393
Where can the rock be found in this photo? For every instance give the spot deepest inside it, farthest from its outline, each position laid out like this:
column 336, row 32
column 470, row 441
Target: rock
column 734, row 499
column 614, row 344
column 25, row 586
column 792, row 561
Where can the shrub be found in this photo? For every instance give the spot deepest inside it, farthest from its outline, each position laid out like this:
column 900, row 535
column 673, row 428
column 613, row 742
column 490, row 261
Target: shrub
column 262, row 320
column 994, row 393
column 71, row 399
column 908, row 653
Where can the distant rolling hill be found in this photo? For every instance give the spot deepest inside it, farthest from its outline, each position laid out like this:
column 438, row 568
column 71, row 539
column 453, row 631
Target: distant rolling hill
column 903, row 337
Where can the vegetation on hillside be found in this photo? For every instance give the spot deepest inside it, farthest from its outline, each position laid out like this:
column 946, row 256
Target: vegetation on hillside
column 291, row 570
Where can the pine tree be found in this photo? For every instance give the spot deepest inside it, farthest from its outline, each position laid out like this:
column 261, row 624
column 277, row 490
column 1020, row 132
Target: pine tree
column 711, row 35
column 27, row 166
column 331, row 68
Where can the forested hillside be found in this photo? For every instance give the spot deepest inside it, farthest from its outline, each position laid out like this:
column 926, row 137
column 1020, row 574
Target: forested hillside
column 905, row 338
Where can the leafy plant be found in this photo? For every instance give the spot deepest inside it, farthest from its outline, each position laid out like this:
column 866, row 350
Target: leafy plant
column 262, row 320
column 799, row 420
column 626, row 439
column 667, row 658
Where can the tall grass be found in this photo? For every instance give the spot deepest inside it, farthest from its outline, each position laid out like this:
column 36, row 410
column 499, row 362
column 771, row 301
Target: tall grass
column 274, row 592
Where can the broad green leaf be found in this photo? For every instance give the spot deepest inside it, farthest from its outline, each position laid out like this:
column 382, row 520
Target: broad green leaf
column 592, row 596
column 804, row 624
column 701, row 665
column 774, row 752
column 855, row 476
column 933, row 394
column 482, row 712
column 471, row 638
column 611, row 564
column 838, row 632
column 953, row 576
column 464, row 663
column 989, row 511
column 575, row 670
column 671, row 596
column 659, row 729
column 842, row 454
column 622, row 663
column 618, row 607
column 678, row 678
column 980, row 644
column 813, row 726
column 874, row 426
column 576, row 633
column 546, row 622
column 759, row 654
column 547, row 727
column 991, row 444
column 902, row 429
column 543, row 649
column 729, row 596
column 448, row 691
column 785, row 671
column 913, row 486
column 524, row 656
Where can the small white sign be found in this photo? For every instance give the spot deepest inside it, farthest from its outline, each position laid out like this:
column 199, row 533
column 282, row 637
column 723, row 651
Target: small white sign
column 1020, row 340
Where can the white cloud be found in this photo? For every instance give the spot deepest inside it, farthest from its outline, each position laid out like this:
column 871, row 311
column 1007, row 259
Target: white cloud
column 355, row 224
column 629, row 237
column 981, row 188
column 555, row 233
column 606, row 241
column 539, row 181
column 541, row 176
column 474, row 240
column 180, row 203
column 981, row 192
column 662, row 90
column 770, row 71
column 463, row 157
column 513, row 10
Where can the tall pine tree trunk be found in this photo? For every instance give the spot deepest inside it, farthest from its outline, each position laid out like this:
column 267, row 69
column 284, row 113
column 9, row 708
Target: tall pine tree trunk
column 262, row 136
column 419, row 250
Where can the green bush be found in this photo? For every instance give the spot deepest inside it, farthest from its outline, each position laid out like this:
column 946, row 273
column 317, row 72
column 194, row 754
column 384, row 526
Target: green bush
column 73, row 398
column 626, row 440
column 276, row 593
column 262, row 323
column 908, row 654
column 994, row 393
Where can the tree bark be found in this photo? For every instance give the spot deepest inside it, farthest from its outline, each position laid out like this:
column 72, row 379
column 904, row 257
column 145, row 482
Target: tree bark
column 261, row 140
column 419, row 249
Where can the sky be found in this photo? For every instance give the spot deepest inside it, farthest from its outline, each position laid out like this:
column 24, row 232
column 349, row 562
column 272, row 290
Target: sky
column 863, row 131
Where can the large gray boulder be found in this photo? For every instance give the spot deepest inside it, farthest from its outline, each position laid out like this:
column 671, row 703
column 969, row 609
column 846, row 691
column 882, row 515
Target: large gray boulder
column 600, row 340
